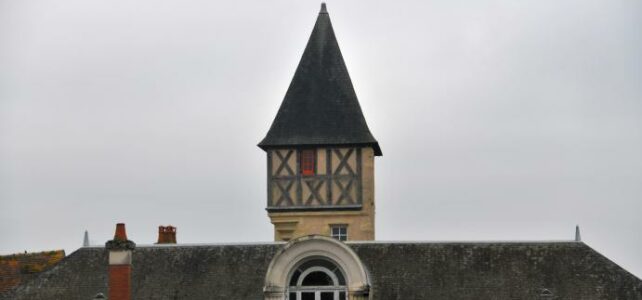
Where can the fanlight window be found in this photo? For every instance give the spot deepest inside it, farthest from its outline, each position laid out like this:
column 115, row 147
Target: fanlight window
column 317, row 279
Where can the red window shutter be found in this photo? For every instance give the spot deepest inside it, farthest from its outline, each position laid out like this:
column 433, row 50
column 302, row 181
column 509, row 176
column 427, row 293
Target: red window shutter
column 307, row 162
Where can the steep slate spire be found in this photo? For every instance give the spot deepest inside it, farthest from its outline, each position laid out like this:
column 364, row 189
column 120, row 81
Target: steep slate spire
column 578, row 238
column 320, row 106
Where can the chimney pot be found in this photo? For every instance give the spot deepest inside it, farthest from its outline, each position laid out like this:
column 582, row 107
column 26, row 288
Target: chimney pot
column 166, row 234
column 120, row 234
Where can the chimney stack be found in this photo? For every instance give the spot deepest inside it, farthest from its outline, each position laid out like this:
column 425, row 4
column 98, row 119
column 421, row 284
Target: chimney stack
column 166, row 234
column 120, row 264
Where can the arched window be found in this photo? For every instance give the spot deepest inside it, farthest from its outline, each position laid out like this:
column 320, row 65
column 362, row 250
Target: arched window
column 316, row 267
column 317, row 279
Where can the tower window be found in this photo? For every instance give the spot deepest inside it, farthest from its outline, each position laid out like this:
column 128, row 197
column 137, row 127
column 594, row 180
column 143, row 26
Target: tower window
column 307, row 162
column 339, row 232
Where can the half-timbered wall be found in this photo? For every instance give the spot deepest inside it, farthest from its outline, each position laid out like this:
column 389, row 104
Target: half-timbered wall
column 334, row 170
column 336, row 183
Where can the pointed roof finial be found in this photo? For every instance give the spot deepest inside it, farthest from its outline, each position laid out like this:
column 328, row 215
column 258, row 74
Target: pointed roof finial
column 578, row 238
column 324, row 10
column 85, row 241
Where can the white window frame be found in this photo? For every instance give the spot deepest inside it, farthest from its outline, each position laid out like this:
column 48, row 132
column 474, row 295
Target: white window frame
column 339, row 236
column 299, row 289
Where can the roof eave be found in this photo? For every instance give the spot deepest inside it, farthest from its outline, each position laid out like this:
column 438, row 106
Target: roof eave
column 374, row 145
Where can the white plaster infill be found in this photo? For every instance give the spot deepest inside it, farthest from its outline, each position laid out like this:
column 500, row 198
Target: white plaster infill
column 311, row 247
column 120, row 257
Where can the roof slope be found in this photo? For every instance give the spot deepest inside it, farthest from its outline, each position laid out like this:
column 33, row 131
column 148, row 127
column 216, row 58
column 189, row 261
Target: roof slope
column 320, row 106
column 19, row 268
column 569, row 270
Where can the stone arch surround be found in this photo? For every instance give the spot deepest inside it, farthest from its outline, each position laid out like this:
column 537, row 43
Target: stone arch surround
column 316, row 246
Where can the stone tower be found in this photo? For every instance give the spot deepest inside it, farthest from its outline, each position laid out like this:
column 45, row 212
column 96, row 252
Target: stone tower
column 320, row 152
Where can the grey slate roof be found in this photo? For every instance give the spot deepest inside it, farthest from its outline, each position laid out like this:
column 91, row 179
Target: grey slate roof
column 320, row 106
column 570, row 270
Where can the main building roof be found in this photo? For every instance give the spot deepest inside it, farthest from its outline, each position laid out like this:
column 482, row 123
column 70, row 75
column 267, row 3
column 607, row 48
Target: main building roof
column 320, row 106
column 494, row 270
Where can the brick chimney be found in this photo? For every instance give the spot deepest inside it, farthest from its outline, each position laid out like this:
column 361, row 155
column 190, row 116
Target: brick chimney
column 166, row 234
column 120, row 264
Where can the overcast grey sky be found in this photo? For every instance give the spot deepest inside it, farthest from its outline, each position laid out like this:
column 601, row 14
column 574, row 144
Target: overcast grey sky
column 499, row 120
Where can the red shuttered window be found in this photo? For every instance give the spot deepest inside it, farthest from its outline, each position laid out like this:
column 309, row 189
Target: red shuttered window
column 307, row 162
